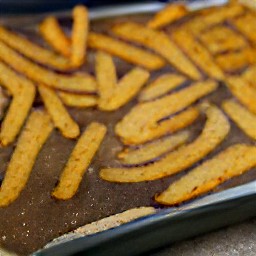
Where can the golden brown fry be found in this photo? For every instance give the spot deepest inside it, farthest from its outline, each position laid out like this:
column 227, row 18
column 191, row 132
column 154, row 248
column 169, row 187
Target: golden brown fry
column 241, row 116
column 125, row 51
column 79, row 161
column 30, row 142
column 60, row 116
column 249, row 75
column 197, row 53
column 232, row 162
column 153, row 149
column 159, row 42
column 23, row 93
column 142, row 122
column 214, row 132
column 77, row 82
column 169, row 14
column 161, row 86
column 53, row 34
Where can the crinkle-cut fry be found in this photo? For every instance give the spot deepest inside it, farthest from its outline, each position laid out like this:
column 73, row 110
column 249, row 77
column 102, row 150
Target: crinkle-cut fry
column 153, row 150
column 59, row 114
column 79, row 35
column 23, row 93
column 127, row 52
column 169, row 14
column 36, row 131
column 198, row 53
column 231, row 162
column 162, row 85
column 77, row 82
column 142, row 123
column 245, row 120
column 53, row 34
column 160, row 43
column 33, row 51
column 216, row 129
column 79, row 160
column 78, row 100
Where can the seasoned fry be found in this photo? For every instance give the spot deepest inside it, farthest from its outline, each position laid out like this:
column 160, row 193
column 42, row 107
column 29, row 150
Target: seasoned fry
column 36, row 131
column 23, row 93
column 153, row 149
column 33, row 51
column 79, row 161
column 78, row 82
column 53, row 34
column 79, row 35
column 161, row 86
column 159, row 42
column 125, row 51
column 214, row 132
column 232, row 162
column 197, row 53
column 60, row 116
column 168, row 15
column 142, row 122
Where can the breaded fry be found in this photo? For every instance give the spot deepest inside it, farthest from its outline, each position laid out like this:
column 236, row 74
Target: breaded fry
column 53, row 34
column 141, row 124
column 161, row 86
column 127, row 52
column 60, row 116
column 23, row 94
column 231, row 162
column 33, row 136
column 77, row 82
column 214, row 132
column 154, row 149
column 79, row 160
column 198, row 53
column 160, row 43
column 168, row 15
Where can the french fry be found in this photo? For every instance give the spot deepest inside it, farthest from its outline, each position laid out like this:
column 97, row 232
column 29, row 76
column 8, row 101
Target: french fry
column 160, row 43
column 79, row 161
column 168, row 15
column 161, row 86
column 231, row 162
column 249, row 75
column 77, row 82
column 127, row 52
column 154, row 149
column 142, row 124
column 79, row 35
column 245, row 120
column 23, row 94
column 197, row 53
column 214, row 132
column 33, row 136
column 60, row 116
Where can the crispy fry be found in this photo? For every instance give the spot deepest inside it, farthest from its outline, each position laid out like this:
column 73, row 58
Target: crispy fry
column 241, row 116
column 33, row 136
column 214, row 132
column 232, row 162
column 60, row 116
column 197, row 53
column 77, row 82
column 79, row 161
column 142, row 124
column 53, row 34
column 23, row 93
column 159, row 42
column 153, row 149
column 161, row 86
column 33, row 51
column 125, row 51
column 169, row 14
